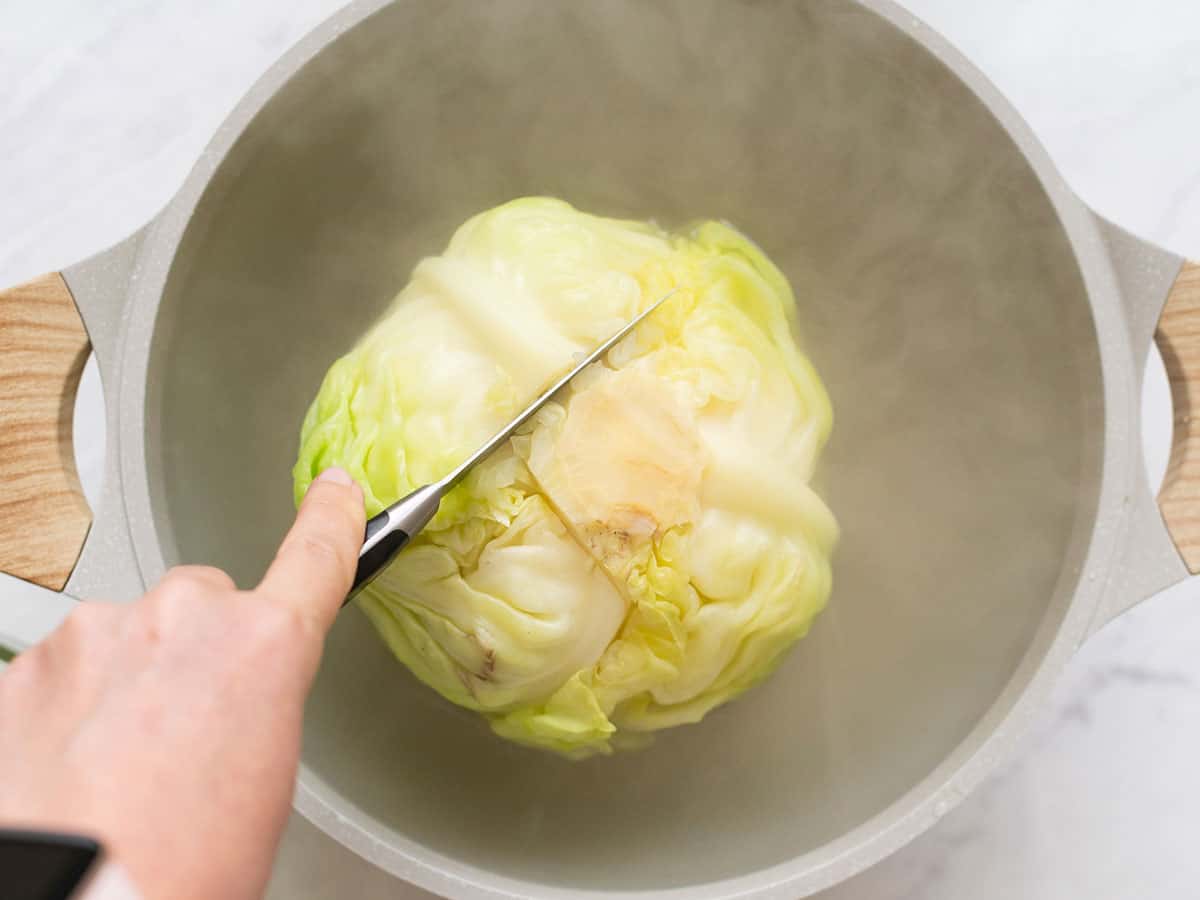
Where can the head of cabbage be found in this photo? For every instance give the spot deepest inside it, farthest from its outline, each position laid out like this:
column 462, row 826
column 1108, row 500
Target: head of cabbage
column 651, row 546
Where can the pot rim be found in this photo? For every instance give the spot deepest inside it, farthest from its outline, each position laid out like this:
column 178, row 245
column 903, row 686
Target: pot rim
column 989, row 741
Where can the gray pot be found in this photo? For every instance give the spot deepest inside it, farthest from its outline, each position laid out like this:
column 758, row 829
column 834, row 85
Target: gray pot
column 981, row 332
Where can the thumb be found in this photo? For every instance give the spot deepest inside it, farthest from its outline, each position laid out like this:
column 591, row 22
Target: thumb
column 314, row 568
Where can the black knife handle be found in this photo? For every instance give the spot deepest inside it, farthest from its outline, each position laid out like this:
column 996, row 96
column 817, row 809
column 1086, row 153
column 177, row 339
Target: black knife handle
column 375, row 560
column 390, row 531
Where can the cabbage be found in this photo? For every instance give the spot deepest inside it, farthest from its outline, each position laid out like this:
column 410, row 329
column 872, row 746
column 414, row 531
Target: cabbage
column 651, row 546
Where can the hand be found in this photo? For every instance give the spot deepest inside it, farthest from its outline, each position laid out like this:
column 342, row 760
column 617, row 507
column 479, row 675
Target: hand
column 169, row 728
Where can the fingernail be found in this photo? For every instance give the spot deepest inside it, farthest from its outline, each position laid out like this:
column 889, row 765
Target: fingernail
column 335, row 475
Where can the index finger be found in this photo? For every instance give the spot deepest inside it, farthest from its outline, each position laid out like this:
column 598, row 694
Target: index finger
column 314, row 568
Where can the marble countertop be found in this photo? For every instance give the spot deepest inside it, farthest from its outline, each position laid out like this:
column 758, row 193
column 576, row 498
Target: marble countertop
column 106, row 106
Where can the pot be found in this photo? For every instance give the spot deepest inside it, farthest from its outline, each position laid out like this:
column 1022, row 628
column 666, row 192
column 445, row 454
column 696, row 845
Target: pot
column 981, row 332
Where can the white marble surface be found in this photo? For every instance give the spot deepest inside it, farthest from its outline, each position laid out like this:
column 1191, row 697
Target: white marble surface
column 105, row 106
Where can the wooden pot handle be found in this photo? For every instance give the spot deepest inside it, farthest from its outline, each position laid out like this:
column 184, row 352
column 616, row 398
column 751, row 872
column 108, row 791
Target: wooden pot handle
column 1178, row 339
column 44, row 516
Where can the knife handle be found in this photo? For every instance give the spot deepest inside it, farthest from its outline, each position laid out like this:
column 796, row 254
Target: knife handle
column 389, row 532
column 376, row 554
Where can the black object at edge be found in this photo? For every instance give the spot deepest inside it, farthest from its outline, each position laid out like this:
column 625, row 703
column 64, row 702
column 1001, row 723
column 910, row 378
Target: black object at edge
column 43, row 865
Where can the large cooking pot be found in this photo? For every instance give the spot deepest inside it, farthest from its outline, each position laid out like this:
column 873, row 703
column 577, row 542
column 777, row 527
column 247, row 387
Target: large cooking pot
column 981, row 332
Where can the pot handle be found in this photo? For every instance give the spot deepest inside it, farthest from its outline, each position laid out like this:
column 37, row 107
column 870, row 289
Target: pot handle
column 45, row 516
column 48, row 535
column 1178, row 340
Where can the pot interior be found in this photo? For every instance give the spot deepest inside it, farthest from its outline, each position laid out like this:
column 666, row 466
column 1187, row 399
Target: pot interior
column 939, row 298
